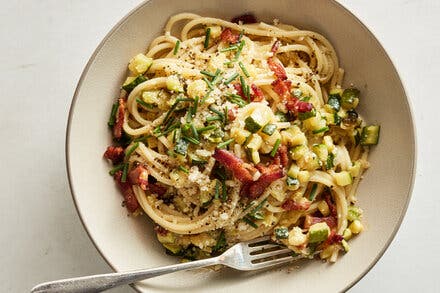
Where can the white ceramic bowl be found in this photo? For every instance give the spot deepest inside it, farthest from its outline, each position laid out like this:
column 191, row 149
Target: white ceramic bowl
column 129, row 243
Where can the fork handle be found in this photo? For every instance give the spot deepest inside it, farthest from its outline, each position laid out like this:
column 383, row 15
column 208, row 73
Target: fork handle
column 98, row 283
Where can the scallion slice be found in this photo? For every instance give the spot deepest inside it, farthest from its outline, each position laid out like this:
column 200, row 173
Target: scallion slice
column 225, row 143
column 207, row 37
column 246, row 73
column 176, row 47
column 275, row 148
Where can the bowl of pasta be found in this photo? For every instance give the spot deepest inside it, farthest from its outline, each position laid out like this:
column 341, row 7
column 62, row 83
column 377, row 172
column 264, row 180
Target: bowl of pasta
column 197, row 125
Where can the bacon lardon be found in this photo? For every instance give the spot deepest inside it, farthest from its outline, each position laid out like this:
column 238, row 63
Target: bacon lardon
column 331, row 221
column 233, row 164
column 114, row 154
column 275, row 46
column 257, row 95
column 117, row 129
column 228, row 36
column 258, row 187
column 139, row 176
column 277, row 68
column 282, row 88
column 130, row 199
column 291, row 205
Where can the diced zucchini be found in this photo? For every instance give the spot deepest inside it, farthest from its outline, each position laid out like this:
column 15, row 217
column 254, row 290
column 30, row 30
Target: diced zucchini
column 173, row 248
column 321, row 151
column 299, row 152
column 282, row 117
column 323, row 208
column 315, row 123
column 345, row 246
column 174, row 84
column 167, row 238
column 151, row 97
column 197, row 88
column 334, row 101
column 293, row 171
column 131, row 82
column 252, row 125
column 296, row 237
column 355, row 169
column 343, row 178
column 336, row 91
column 269, row 129
column 356, row 227
column 312, row 163
column 293, row 136
column 354, row 213
column 255, row 156
column 255, row 142
column 370, row 135
column 350, row 98
column 195, row 160
column 256, row 121
column 306, row 115
column 303, row 176
column 281, row 233
column 240, row 135
column 318, row 232
column 332, row 118
column 140, row 64
column 327, row 252
column 347, row 234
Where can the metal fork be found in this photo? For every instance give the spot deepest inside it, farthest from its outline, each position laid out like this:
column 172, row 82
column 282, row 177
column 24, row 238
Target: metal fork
column 245, row 256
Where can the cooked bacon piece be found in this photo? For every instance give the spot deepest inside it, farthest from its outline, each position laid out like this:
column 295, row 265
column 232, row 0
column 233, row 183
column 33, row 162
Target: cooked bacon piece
column 295, row 105
column 228, row 36
column 282, row 88
column 139, row 176
column 114, row 154
column 244, row 18
column 333, row 238
column 161, row 230
column 332, row 207
column 257, row 95
column 130, row 199
column 232, row 113
column 233, row 164
column 117, row 129
column 275, row 46
column 281, row 158
column 239, row 90
column 330, row 220
column 157, row 189
column 277, row 68
column 257, row 188
column 291, row 205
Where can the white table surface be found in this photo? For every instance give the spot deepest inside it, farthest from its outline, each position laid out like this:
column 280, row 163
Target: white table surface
column 44, row 46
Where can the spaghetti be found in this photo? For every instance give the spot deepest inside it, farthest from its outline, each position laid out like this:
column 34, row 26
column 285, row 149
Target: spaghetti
column 230, row 131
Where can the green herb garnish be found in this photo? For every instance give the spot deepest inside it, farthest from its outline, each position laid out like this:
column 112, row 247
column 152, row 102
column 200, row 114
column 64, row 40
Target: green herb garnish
column 275, row 148
column 246, row 73
column 225, row 143
column 207, row 37
column 176, row 47
column 112, row 120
